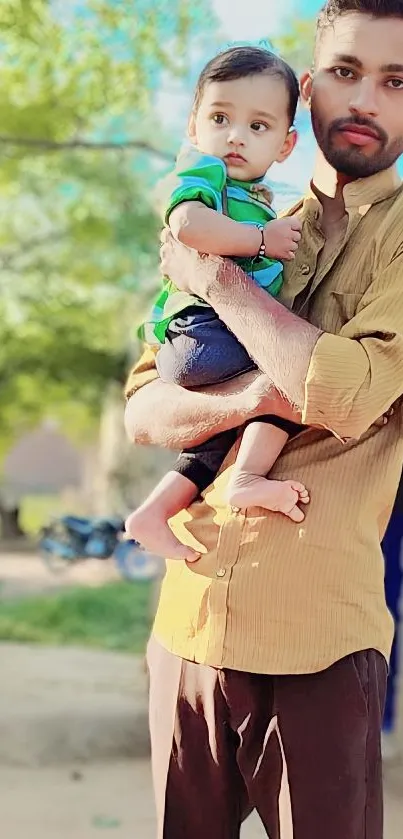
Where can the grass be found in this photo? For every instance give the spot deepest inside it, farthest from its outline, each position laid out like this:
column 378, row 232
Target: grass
column 113, row 617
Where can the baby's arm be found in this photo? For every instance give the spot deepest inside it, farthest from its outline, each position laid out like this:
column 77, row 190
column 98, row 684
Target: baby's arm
column 208, row 231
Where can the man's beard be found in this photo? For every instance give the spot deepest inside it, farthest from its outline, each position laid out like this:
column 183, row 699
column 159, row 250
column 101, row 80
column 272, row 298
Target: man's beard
column 353, row 162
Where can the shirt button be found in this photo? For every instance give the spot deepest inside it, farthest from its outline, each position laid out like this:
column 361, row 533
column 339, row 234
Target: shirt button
column 236, row 509
column 221, row 572
column 305, row 270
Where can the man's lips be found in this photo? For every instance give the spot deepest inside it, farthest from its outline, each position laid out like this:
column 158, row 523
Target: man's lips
column 359, row 135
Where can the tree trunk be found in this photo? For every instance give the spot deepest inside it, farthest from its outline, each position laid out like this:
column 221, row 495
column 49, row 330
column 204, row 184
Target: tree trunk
column 9, row 523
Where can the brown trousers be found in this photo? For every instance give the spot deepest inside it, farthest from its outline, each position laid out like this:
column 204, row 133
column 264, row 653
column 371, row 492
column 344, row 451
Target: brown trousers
column 304, row 751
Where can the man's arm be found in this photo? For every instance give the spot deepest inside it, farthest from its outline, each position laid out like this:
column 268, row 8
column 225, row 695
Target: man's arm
column 279, row 342
column 172, row 417
column 341, row 382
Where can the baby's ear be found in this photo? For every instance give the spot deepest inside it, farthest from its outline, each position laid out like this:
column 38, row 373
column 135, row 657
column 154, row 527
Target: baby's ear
column 288, row 146
column 192, row 129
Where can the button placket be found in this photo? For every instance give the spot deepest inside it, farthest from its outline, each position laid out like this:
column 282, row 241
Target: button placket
column 228, row 549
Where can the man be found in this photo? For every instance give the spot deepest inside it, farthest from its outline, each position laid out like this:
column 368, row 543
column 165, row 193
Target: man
column 268, row 659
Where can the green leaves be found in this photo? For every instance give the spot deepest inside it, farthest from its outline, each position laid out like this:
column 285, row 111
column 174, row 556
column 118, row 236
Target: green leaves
column 296, row 45
column 78, row 229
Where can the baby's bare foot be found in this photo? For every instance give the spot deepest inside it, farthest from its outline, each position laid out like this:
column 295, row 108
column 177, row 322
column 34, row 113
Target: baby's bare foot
column 155, row 535
column 279, row 496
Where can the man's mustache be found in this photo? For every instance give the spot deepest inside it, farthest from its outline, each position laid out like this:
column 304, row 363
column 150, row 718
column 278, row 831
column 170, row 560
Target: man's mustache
column 362, row 122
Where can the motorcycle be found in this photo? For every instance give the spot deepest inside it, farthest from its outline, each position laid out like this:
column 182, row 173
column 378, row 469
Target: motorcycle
column 69, row 540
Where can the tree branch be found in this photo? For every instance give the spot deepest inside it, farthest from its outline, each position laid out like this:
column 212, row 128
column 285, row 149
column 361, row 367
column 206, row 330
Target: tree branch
column 43, row 145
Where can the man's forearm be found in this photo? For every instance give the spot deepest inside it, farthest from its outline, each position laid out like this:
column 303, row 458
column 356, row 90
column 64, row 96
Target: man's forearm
column 280, row 343
column 166, row 415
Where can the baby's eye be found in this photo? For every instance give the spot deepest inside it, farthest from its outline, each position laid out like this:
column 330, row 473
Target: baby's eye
column 219, row 119
column 259, row 126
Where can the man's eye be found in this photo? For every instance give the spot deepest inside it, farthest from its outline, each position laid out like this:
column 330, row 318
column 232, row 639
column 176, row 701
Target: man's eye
column 395, row 84
column 343, row 73
column 259, row 126
column 219, row 119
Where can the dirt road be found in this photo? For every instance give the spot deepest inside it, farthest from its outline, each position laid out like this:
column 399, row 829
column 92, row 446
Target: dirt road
column 114, row 800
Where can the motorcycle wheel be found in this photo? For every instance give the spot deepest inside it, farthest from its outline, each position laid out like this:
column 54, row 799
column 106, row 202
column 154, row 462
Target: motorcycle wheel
column 57, row 565
column 57, row 550
column 134, row 563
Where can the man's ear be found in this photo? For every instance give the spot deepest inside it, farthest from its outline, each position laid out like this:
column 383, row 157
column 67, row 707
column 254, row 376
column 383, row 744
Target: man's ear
column 306, row 88
column 288, row 146
column 192, row 129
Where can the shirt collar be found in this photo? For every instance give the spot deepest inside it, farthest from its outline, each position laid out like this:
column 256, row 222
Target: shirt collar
column 361, row 194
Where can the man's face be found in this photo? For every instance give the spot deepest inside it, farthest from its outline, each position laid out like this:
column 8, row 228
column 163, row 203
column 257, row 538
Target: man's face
column 357, row 94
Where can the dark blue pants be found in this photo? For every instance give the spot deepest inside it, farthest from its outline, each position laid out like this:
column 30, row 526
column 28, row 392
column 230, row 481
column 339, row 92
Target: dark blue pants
column 392, row 549
column 198, row 351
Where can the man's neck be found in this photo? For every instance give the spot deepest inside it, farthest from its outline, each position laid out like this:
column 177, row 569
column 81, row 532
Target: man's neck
column 328, row 185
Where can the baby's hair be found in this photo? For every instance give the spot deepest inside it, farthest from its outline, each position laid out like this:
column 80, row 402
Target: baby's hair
column 240, row 62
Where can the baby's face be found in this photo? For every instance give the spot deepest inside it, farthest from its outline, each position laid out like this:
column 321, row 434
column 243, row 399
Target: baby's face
column 245, row 123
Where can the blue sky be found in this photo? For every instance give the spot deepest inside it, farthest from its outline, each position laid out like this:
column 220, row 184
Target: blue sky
column 244, row 19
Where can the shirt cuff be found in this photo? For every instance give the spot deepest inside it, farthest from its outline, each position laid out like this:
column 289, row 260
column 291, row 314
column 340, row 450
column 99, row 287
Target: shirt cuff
column 142, row 373
column 331, row 385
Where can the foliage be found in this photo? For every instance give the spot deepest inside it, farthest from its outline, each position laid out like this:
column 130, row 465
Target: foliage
column 80, row 148
column 296, row 43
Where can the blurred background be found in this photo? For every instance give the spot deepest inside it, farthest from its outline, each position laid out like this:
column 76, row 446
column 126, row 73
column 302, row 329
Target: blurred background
column 94, row 98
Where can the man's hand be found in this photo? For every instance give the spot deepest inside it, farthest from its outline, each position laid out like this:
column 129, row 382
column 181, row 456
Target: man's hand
column 187, row 268
column 258, row 397
column 282, row 237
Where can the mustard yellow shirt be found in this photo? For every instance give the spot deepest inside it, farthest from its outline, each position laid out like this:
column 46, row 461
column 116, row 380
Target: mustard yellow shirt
column 270, row 596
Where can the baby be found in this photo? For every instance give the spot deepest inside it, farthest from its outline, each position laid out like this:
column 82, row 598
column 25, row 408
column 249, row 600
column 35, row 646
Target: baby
column 241, row 123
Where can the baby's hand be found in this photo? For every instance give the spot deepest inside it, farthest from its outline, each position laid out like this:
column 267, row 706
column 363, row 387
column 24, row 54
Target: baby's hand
column 282, row 237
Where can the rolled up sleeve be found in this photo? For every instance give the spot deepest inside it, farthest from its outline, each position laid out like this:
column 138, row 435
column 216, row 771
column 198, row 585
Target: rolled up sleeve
column 142, row 373
column 356, row 376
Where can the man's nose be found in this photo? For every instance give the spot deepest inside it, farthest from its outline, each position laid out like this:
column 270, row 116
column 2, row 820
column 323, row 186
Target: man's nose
column 236, row 136
column 364, row 101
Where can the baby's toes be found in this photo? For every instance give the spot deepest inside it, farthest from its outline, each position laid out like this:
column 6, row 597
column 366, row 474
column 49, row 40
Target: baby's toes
column 295, row 514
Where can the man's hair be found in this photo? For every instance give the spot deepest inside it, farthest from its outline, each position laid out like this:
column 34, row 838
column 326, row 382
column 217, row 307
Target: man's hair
column 334, row 9
column 240, row 62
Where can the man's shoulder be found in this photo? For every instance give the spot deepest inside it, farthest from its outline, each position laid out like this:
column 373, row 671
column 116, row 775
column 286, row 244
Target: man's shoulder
column 295, row 210
column 388, row 232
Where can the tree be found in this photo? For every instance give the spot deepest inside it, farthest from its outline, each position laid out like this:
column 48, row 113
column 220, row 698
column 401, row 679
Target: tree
column 80, row 146
column 296, row 43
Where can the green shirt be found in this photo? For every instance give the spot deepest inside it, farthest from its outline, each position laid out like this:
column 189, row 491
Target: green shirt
column 201, row 177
